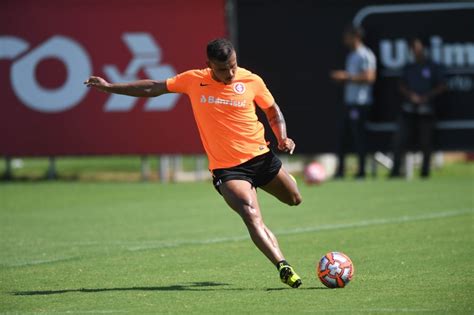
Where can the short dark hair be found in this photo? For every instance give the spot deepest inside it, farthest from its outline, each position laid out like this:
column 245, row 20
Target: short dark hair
column 219, row 49
column 355, row 31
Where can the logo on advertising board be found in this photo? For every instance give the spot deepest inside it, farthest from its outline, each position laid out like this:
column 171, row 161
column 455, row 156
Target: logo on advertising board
column 443, row 29
column 47, row 110
column 146, row 57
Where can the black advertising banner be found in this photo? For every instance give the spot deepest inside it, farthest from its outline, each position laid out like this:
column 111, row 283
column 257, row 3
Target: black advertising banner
column 443, row 28
column 294, row 45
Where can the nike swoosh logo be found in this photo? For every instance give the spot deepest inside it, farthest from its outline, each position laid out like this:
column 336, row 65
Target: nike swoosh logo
column 202, row 84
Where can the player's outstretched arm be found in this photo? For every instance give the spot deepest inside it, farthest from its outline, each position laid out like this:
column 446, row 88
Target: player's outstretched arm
column 278, row 124
column 140, row 88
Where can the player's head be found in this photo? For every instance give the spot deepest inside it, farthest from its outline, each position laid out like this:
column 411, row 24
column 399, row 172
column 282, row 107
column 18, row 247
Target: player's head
column 418, row 49
column 353, row 36
column 222, row 60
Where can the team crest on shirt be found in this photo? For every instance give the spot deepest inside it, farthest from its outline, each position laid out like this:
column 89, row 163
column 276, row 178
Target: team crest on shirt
column 239, row 88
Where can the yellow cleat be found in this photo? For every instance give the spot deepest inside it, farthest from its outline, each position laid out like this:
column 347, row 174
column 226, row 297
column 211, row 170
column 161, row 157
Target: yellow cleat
column 289, row 276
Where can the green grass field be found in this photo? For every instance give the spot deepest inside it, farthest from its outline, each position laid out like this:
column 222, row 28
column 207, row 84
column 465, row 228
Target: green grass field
column 87, row 248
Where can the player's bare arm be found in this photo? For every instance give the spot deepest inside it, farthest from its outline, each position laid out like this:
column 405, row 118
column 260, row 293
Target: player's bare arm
column 140, row 88
column 278, row 125
column 368, row 76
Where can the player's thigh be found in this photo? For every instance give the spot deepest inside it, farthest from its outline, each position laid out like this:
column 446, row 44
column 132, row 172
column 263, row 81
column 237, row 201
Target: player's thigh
column 241, row 196
column 284, row 187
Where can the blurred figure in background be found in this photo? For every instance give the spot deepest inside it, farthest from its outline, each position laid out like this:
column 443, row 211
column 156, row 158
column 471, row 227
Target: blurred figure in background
column 358, row 78
column 421, row 82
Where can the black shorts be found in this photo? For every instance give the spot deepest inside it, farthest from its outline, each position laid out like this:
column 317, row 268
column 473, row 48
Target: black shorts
column 258, row 171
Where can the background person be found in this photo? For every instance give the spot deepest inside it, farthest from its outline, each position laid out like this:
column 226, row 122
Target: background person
column 358, row 78
column 421, row 82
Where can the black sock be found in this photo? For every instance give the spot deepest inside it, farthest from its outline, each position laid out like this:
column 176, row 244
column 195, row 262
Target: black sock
column 283, row 262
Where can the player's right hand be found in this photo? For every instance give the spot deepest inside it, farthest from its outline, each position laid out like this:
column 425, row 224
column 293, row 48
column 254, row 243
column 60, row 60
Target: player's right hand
column 97, row 82
column 287, row 145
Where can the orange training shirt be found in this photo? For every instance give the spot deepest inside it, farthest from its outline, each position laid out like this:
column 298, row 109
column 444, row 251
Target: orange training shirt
column 225, row 114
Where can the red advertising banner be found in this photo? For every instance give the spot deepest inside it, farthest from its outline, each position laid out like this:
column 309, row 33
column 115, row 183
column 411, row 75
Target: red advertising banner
column 48, row 48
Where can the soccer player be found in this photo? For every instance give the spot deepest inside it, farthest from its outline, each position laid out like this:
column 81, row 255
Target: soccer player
column 223, row 98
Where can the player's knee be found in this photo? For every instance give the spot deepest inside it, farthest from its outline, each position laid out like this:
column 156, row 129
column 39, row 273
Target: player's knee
column 295, row 199
column 250, row 214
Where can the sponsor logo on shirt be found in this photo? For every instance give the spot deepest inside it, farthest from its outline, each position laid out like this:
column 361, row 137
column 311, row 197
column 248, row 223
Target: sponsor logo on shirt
column 222, row 101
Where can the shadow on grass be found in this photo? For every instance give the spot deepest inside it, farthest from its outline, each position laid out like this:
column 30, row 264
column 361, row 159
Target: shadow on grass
column 194, row 286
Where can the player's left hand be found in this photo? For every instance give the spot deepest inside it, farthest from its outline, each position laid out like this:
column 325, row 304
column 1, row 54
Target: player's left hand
column 287, row 145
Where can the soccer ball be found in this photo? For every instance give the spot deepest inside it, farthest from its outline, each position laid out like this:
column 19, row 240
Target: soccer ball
column 314, row 173
column 335, row 270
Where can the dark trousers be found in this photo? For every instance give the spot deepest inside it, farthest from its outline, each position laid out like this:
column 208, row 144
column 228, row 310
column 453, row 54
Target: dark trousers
column 417, row 127
column 353, row 127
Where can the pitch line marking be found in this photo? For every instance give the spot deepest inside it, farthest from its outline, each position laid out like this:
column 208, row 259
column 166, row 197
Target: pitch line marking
column 378, row 310
column 150, row 245
column 39, row 262
column 69, row 312
column 326, row 227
